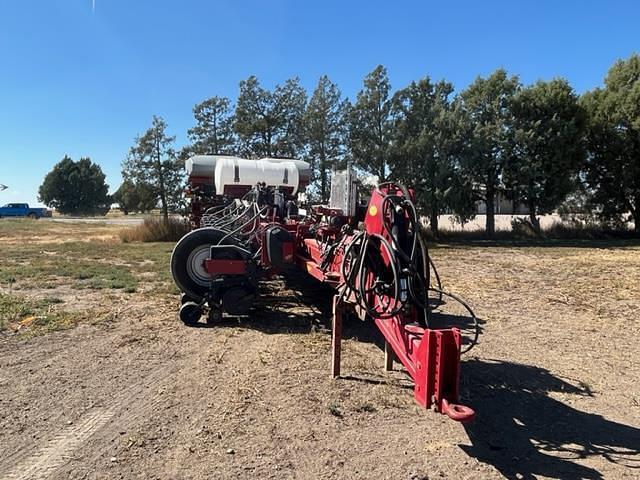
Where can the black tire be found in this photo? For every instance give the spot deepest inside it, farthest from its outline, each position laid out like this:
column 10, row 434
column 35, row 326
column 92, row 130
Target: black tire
column 33, row 216
column 190, row 313
column 184, row 298
column 195, row 244
column 214, row 317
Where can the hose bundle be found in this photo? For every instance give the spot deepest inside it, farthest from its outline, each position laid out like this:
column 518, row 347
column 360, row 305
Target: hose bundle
column 386, row 274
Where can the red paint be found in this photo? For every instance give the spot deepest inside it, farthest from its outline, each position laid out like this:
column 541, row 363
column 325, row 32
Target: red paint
column 225, row 267
column 430, row 357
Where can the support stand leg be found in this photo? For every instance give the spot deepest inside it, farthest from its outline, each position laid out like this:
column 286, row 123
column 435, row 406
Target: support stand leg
column 336, row 338
column 388, row 357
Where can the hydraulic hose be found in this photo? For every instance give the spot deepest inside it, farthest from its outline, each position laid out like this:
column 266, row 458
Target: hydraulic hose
column 408, row 261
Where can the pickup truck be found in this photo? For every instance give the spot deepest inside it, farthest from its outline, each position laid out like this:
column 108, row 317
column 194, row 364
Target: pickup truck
column 23, row 210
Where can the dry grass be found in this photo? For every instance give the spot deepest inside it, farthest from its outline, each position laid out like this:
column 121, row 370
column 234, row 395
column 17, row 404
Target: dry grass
column 155, row 230
column 585, row 231
column 83, row 265
column 555, row 371
column 54, row 275
column 24, row 231
column 523, row 231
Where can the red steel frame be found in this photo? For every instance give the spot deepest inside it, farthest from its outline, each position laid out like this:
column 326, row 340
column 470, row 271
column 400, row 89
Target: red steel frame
column 431, row 357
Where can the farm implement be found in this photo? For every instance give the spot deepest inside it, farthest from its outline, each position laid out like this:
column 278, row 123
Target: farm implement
column 372, row 255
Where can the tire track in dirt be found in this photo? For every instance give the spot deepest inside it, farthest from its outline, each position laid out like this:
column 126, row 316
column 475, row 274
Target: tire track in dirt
column 38, row 353
column 189, row 383
column 47, row 460
column 58, row 450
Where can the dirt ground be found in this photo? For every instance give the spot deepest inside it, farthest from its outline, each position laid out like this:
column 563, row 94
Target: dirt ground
column 135, row 394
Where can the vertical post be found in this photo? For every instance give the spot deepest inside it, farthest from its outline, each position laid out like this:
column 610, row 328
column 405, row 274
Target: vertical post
column 336, row 337
column 388, row 356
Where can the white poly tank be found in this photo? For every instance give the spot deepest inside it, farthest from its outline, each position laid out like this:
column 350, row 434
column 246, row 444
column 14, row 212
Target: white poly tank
column 304, row 169
column 203, row 166
column 231, row 173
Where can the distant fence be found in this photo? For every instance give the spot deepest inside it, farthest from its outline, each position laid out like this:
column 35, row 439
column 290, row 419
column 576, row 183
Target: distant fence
column 503, row 222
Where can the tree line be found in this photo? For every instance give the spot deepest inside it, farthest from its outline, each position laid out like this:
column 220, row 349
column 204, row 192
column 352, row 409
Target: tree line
column 541, row 144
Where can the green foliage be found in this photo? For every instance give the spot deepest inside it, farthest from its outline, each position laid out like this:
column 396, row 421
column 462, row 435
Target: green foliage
column 86, row 273
column 371, row 125
column 613, row 141
column 547, row 152
column 270, row 123
column 621, row 100
column 126, row 196
column 52, row 259
column 486, row 105
column 213, row 133
column 427, row 148
column 152, row 162
column 325, row 131
column 135, row 197
column 75, row 188
column 37, row 316
column 12, row 310
column 494, row 139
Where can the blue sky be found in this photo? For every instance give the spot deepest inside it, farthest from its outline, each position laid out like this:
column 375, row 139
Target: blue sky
column 85, row 82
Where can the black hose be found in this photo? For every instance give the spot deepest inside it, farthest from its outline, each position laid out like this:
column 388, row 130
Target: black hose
column 396, row 300
column 476, row 325
column 415, row 266
column 361, row 267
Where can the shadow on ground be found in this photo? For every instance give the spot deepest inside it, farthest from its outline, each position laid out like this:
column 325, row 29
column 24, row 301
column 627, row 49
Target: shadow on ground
column 519, row 429
column 297, row 303
column 525, row 433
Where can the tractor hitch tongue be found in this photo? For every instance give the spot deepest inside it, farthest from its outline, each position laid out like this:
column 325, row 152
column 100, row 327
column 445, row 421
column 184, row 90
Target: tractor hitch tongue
column 373, row 256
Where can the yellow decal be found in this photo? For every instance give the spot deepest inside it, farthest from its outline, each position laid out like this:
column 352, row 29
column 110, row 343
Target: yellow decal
column 373, row 210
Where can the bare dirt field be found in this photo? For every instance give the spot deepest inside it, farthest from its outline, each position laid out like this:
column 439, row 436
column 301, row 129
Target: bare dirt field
column 98, row 378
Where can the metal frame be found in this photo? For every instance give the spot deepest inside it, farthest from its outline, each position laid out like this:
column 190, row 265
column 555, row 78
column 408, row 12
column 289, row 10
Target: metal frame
column 431, row 357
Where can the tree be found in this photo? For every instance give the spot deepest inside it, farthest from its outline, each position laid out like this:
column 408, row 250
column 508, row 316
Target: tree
column 427, row 148
column 152, row 162
column 371, row 124
column 213, row 132
column 127, row 197
column 135, row 197
column 486, row 106
column 547, row 151
column 76, row 188
column 147, row 199
column 270, row 124
column 613, row 142
column 325, row 131
column 184, row 154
